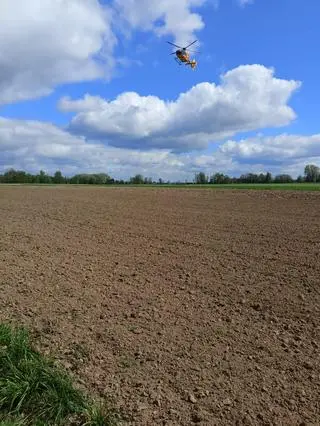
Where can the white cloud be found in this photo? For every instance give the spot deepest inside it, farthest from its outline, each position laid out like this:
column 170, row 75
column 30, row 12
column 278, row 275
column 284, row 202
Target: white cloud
column 49, row 42
column 34, row 145
column 272, row 149
column 243, row 3
column 165, row 17
column 88, row 103
column 248, row 98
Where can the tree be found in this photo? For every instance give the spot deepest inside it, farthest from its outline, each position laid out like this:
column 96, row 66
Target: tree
column 16, row 176
column 44, row 178
column 137, row 179
column 58, row 178
column 268, row 178
column 201, row 178
column 312, row 173
column 284, row 178
column 102, row 179
column 220, row 178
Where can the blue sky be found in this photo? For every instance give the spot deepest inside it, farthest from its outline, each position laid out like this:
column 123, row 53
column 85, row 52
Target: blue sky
column 92, row 87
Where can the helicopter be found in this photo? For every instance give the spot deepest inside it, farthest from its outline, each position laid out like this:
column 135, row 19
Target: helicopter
column 182, row 55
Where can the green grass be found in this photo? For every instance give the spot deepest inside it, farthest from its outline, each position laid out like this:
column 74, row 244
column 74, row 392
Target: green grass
column 35, row 391
column 260, row 186
column 243, row 186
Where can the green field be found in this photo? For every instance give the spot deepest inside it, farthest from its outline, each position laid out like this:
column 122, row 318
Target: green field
column 241, row 186
column 260, row 186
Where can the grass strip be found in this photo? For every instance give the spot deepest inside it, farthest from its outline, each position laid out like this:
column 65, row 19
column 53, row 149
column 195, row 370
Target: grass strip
column 35, row 391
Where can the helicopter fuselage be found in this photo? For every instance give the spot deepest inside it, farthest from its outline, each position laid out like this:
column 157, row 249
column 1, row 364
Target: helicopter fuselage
column 183, row 55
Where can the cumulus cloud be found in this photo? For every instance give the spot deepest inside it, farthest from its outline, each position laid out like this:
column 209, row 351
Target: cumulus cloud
column 34, row 145
column 275, row 150
column 248, row 98
column 87, row 103
column 49, row 42
column 166, row 17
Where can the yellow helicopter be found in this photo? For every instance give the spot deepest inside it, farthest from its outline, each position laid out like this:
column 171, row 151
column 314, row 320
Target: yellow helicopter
column 182, row 55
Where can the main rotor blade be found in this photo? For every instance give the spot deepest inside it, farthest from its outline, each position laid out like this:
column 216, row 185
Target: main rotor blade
column 190, row 44
column 174, row 44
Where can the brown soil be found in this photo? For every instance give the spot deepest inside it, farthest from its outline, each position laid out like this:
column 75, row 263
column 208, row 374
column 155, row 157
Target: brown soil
column 186, row 306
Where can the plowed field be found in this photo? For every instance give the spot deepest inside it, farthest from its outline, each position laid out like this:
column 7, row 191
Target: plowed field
column 185, row 306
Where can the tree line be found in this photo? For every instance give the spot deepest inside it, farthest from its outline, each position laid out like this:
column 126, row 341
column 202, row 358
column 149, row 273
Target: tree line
column 311, row 174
